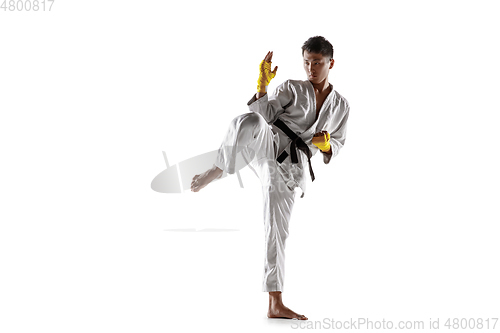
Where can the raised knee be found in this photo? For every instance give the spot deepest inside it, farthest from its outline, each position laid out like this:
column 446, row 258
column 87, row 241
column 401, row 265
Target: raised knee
column 250, row 119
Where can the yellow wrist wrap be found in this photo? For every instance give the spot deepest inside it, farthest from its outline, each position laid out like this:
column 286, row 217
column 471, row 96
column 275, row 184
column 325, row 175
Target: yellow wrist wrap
column 322, row 142
column 265, row 76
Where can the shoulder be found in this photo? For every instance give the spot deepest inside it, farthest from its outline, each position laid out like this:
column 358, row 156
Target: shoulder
column 291, row 86
column 341, row 100
column 297, row 86
column 294, row 88
column 298, row 83
column 295, row 83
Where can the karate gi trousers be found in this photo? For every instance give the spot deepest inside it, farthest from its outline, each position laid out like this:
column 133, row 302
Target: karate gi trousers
column 250, row 130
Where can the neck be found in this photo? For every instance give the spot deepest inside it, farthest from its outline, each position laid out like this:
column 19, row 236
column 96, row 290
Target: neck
column 321, row 86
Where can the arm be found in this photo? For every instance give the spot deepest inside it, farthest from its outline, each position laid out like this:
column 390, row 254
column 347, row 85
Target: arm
column 337, row 138
column 270, row 107
column 330, row 144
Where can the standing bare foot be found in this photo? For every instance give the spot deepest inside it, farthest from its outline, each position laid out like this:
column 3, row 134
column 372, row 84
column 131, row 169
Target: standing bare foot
column 202, row 180
column 278, row 310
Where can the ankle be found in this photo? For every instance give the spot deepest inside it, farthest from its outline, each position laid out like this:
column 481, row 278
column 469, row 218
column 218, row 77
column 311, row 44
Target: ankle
column 275, row 299
column 276, row 304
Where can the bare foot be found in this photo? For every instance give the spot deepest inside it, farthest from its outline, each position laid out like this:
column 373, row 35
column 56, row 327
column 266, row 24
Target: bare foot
column 202, row 180
column 278, row 310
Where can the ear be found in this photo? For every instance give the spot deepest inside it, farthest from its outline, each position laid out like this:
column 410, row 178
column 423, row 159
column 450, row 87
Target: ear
column 331, row 63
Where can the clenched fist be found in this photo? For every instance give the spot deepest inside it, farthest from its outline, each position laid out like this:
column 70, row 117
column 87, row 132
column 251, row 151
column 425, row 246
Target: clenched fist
column 322, row 140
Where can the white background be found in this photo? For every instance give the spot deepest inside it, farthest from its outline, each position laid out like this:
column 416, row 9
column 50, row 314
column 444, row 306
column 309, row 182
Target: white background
column 401, row 225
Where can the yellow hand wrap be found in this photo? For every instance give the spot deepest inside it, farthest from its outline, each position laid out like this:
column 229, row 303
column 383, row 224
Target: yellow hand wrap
column 265, row 76
column 322, row 142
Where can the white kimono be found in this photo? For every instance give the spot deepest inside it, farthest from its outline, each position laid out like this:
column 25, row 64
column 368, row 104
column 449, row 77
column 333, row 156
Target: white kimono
column 294, row 102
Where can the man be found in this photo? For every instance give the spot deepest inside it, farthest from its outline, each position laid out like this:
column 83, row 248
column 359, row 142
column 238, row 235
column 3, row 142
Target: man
column 284, row 131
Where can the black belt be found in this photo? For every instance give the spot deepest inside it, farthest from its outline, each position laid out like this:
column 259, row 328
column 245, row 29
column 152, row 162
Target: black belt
column 297, row 143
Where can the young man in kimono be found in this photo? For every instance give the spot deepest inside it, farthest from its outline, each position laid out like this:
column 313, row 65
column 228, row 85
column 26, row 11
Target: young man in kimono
column 284, row 130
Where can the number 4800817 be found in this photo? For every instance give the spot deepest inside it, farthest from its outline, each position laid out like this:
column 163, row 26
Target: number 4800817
column 26, row 5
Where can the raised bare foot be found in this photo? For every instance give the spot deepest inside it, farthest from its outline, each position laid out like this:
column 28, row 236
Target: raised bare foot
column 202, row 180
column 278, row 310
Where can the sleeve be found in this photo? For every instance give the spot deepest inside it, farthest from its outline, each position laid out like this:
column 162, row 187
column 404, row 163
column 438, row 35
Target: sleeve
column 271, row 107
column 338, row 135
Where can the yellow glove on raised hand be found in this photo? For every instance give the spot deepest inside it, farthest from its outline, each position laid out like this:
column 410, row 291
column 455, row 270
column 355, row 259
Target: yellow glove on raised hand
column 322, row 141
column 265, row 74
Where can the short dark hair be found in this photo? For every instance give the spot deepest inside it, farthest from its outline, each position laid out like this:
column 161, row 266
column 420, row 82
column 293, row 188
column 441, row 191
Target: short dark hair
column 318, row 44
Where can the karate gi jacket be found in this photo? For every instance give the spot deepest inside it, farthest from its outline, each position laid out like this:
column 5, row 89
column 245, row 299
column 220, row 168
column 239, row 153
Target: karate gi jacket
column 294, row 102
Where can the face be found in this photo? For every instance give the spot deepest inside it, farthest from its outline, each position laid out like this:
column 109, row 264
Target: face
column 317, row 66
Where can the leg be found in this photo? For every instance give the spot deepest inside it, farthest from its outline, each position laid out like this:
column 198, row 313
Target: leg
column 248, row 130
column 278, row 203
